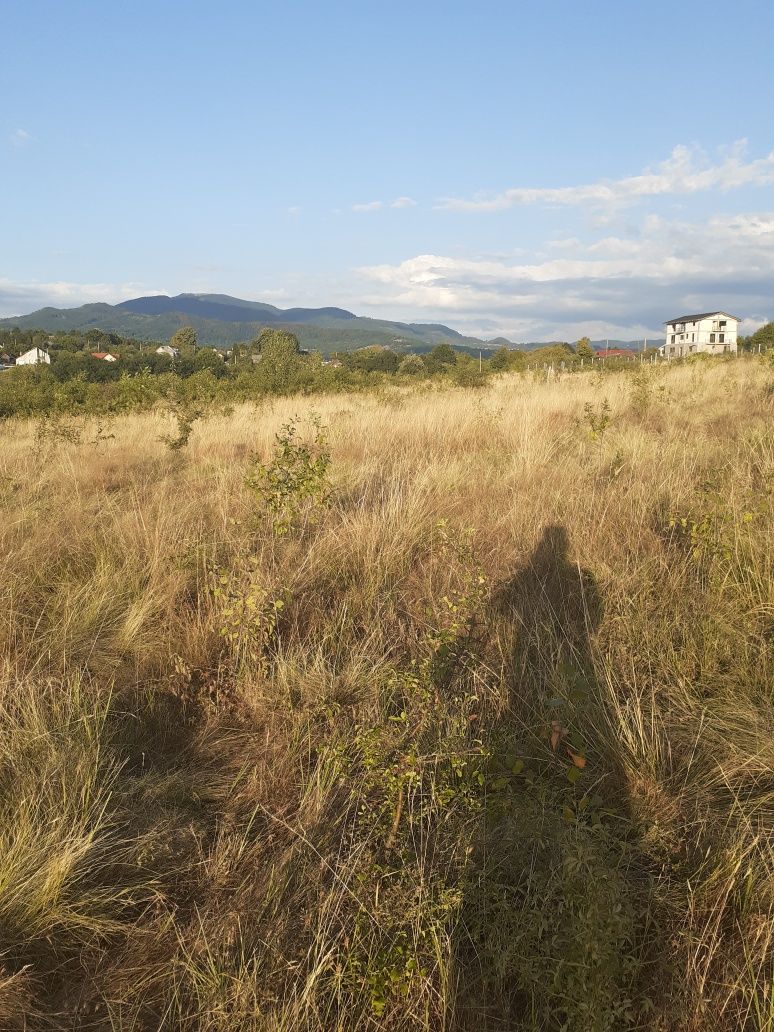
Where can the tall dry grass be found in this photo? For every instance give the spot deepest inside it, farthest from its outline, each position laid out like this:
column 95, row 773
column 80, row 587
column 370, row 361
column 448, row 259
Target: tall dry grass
column 484, row 741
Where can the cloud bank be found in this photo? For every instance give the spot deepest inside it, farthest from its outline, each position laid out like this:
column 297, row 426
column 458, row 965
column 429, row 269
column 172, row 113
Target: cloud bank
column 619, row 286
column 22, row 298
column 624, row 284
column 688, row 170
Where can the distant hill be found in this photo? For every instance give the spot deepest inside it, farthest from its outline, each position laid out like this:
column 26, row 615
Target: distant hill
column 222, row 320
column 223, row 308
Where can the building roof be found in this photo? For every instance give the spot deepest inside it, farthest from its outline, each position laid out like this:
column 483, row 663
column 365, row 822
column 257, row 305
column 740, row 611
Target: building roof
column 615, row 353
column 101, row 354
column 699, row 316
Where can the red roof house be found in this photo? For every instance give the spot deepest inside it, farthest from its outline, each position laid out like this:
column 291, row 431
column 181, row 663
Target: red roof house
column 616, row 353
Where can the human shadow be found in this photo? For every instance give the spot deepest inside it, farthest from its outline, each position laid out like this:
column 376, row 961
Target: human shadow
column 544, row 616
column 555, row 608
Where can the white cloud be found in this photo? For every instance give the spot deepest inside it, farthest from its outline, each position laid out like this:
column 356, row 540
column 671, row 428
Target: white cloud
column 399, row 202
column 22, row 298
column 612, row 287
column 688, row 170
column 20, row 138
column 294, row 210
column 271, row 294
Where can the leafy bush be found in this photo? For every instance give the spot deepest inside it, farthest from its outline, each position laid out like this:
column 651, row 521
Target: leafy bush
column 294, row 484
column 412, row 365
column 184, row 417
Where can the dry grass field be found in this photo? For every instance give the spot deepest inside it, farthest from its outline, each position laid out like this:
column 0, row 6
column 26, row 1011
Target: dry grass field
column 451, row 709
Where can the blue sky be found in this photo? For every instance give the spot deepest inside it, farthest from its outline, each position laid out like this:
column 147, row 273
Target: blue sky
column 534, row 170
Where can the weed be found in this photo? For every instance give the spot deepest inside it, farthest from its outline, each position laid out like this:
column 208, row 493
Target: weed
column 597, row 419
column 185, row 416
column 641, row 390
column 58, row 429
column 247, row 615
column 101, row 433
column 294, row 484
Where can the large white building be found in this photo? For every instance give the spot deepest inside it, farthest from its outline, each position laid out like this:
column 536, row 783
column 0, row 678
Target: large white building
column 33, row 357
column 710, row 333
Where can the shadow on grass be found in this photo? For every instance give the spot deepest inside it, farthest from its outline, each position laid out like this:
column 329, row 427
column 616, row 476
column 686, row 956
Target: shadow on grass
column 555, row 607
column 549, row 928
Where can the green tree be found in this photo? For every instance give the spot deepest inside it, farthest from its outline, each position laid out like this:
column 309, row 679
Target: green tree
column 583, row 348
column 184, row 339
column 374, row 359
column 442, row 357
column 204, row 358
column 763, row 338
column 500, row 360
column 466, row 372
column 552, row 354
column 280, row 359
column 412, row 365
column 276, row 344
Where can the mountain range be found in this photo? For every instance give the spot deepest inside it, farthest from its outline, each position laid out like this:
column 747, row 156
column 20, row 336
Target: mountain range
column 221, row 320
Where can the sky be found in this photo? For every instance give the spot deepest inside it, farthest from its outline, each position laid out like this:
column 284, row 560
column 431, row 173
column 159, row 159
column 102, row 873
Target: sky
column 537, row 171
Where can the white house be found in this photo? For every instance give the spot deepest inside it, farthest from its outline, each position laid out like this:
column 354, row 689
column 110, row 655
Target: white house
column 167, row 349
column 104, row 356
column 709, row 333
column 34, row 357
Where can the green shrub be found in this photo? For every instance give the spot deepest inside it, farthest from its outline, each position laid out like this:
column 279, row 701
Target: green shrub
column 294, row 484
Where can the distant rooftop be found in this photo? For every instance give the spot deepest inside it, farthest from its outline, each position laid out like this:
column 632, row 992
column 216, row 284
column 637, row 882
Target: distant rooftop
column 699, row 316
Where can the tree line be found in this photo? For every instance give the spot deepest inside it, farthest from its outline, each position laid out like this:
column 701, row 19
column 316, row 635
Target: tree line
column 271, row 363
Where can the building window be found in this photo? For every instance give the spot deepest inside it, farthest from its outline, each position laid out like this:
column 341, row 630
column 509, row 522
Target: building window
column 673, row 338
column 712, row 338
column 721, row 337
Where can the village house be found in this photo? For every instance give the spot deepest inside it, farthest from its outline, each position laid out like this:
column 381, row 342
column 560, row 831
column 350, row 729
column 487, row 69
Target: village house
column 625, row 353
column 167, row 349
column 34, row 356
column 104, row 356
column 709, row 333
